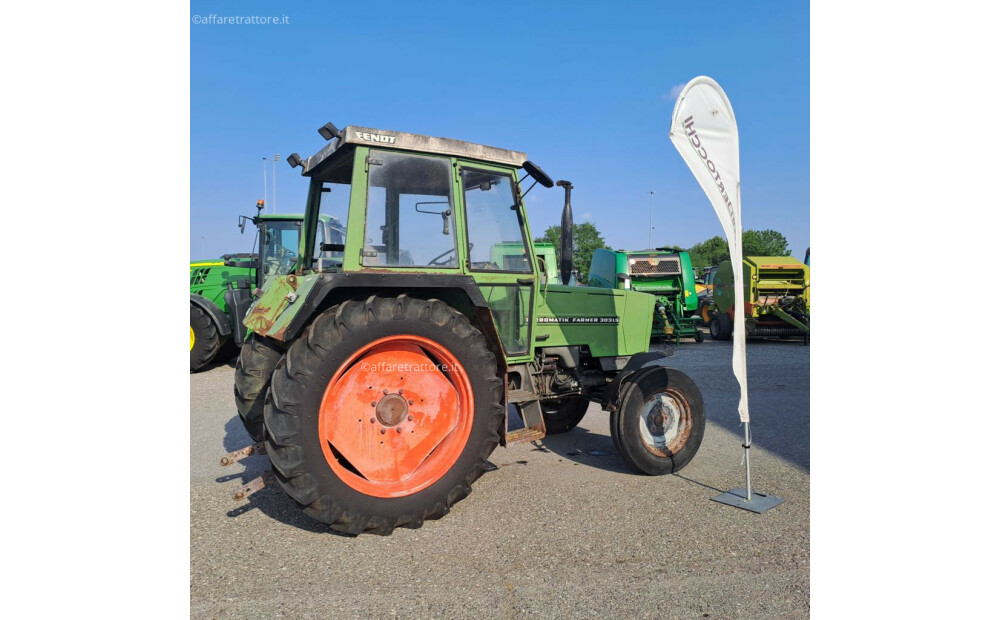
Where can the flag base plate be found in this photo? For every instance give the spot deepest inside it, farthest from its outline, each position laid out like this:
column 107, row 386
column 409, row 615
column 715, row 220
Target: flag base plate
column 758, row 502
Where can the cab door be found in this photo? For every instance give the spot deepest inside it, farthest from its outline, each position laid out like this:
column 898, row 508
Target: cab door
column 499, row 254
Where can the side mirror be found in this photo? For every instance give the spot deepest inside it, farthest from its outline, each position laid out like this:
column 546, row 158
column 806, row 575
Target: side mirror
column 537, row 174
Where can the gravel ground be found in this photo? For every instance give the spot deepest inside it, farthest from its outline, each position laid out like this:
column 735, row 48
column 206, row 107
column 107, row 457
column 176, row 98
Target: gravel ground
column 557, row 529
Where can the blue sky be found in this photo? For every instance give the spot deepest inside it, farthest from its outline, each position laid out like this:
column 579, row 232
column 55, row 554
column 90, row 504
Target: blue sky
column 585, row 89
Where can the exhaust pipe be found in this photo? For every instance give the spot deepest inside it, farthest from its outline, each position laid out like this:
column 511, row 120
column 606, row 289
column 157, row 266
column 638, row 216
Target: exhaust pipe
column 566, row 262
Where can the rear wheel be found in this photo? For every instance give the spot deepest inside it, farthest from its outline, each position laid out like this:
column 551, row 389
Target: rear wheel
column 721, row 327
column 562, row 416
column 383, row 413
column 204, row 338
column 660, row 421
column 258, row 358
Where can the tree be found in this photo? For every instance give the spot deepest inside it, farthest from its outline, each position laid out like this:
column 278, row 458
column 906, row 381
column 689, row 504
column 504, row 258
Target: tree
column 586, row 239
column 708, row 253
column 765, row 243
column 755, row 243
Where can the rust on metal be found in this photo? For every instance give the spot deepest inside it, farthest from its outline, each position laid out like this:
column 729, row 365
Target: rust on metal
column 239, row 455
column 525, row 434
column 254, row 485
column 374, row 270
column 265, row 314
column 661, row 421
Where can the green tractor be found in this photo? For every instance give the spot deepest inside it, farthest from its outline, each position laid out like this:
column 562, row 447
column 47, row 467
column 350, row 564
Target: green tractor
column 507, row 254
column 775, row 298
column 379, row 388
column 664, row 273
column 220, row 289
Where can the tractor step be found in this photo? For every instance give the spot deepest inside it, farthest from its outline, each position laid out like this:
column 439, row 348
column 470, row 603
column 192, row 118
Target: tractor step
column 254, row 485
column 530, row 411
column 522, row 435
column 520, row 396
column 239, row 455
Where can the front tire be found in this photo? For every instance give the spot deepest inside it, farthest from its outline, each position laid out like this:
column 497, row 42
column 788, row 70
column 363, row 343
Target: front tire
column 659, row 422
column 258, row 358
column 204, row 338
column 383, row 413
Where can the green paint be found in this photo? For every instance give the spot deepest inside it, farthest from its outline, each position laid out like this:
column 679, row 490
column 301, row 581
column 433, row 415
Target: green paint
column 398, row 206
column 666, row 275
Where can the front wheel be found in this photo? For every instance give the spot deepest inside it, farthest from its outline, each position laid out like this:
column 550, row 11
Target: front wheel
column 383, row 413
column 258, row 358
column 659, row 422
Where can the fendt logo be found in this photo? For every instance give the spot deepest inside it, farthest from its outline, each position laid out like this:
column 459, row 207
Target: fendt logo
column 374, row 137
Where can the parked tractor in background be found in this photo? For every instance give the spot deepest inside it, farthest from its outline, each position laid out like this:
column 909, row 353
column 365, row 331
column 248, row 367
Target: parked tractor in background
column 706, row 300
column 220, row 289
column 664, row 273
column 380, row 386
column 775, row 294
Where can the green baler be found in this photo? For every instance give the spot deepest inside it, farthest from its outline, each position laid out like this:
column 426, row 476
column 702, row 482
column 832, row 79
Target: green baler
column 775, row 298
column 665, row 274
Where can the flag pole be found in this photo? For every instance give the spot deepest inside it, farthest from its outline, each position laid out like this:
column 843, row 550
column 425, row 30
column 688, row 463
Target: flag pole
column 703, row 129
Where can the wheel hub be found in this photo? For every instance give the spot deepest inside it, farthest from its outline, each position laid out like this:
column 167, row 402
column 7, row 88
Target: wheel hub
column 664, row 426
column 391, row 409
column 392, row 421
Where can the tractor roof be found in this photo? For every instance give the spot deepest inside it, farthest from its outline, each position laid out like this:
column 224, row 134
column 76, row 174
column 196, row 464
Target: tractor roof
column 353, row 135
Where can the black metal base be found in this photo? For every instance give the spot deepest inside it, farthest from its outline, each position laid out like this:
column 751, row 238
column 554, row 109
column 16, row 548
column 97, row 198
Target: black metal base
column 758, row 502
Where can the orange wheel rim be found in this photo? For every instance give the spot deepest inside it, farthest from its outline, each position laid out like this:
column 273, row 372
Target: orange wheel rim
column 396, row 416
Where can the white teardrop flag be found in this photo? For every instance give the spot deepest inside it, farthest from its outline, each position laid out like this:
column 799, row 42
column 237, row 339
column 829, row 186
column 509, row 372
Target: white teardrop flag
column 703, row 128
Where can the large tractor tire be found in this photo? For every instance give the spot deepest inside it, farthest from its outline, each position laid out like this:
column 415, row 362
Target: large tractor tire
column 563, row 416
column 204, row 338
column 258, row 358
column 383, row 413
column 660, row 421
column 227, row 351
column 721, row 327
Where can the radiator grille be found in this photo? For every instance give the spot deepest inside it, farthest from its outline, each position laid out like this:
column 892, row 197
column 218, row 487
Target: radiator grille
column 198, row 276
column 669, row 266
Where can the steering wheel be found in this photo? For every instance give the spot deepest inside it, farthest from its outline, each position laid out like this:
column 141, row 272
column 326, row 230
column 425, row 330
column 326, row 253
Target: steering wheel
column 437, row 259
column 285, row 259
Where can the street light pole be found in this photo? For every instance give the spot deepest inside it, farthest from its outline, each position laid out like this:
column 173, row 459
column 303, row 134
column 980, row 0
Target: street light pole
column 651, row 219
column 264, row 161
column 274, row 186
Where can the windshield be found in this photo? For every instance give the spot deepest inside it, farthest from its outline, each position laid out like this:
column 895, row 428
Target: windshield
column 280, row 246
